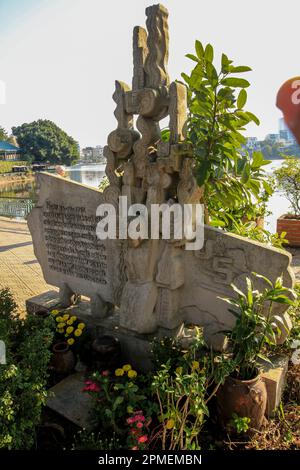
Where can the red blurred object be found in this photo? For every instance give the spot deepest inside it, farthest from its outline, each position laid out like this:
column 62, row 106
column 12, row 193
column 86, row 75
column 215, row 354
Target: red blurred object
column 288, row 101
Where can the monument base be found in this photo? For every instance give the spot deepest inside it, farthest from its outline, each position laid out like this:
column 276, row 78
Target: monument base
column 135, row 348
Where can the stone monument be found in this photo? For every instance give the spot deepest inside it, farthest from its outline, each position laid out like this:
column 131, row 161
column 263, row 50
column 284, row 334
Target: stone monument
column 145, row 287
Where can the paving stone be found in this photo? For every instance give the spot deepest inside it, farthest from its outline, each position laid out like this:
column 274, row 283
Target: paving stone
column 67, row 399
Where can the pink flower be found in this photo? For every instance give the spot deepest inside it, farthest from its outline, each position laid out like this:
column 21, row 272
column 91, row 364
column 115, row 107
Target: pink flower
column 91, row 387
column 135, row 448
column 105, row 373
column 139, row 425
column 130, row 420
column 94, row 388
column 142, row 439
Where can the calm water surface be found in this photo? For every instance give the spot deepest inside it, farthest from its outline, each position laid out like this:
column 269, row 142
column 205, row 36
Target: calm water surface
column 91, row 175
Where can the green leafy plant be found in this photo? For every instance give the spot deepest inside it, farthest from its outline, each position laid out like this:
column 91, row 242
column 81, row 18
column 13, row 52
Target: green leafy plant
column 254, row 232
column 240, row 424
column 288, row 181
column 182, row 406
column 254, row 329
column 69, row 328
column 85, row 440
column 231, row 180
column 117, row 396
column 23, row 378
column 185, row 380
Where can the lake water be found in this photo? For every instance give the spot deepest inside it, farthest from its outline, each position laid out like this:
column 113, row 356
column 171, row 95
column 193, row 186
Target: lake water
column 91, row 175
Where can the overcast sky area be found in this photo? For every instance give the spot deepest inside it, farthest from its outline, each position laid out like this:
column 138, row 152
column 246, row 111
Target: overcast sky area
column 59, row 58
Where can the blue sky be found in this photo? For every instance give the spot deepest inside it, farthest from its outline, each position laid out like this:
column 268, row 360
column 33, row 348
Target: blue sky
column 59, row 58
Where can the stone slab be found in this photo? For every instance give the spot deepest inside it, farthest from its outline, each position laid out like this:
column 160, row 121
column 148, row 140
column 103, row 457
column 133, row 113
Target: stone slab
column 274, row 377
column 67, row 399
column 63, row 229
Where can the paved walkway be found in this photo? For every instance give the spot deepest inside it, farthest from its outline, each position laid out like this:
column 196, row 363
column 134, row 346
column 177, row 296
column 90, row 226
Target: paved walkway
column 20, row 271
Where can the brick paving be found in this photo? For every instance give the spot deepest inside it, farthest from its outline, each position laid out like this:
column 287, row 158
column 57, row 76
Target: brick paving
column 19, row 269
column 21, row 272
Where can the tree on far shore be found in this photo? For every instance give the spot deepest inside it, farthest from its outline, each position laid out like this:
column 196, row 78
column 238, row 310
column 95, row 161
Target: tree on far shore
column 43, row 141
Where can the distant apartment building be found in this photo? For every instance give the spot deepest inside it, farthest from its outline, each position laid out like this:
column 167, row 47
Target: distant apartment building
column 92, row 154
column 285, row 133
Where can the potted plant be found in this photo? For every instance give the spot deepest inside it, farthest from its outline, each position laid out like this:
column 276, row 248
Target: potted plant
column 68, row 333
column 288, row 181
column 243, row 392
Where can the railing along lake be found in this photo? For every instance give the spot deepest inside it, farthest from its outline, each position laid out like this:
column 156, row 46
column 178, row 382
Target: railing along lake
column 15, row 206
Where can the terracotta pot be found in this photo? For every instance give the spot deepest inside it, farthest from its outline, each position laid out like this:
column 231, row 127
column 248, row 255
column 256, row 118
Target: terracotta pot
column 286, row 223
column 106, row 351
column 246, row 398
column 63, row 359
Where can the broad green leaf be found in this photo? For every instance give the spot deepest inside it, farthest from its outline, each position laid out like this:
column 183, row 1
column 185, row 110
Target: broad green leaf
column 225, row 63
column 192, row 57
column 246, row 173
column 235, row 82
column 209, row 53
column 240, row 69
column 196, row 77
column 203, row 172
column 253, row 118
column 199, row 49
column 186, row 78
column 242, row 98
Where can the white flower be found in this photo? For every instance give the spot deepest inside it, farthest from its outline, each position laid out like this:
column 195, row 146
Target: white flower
column 296, row 357
column 295, row 343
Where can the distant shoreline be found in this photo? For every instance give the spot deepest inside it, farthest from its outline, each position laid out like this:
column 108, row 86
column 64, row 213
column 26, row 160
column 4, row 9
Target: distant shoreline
column 14, row 178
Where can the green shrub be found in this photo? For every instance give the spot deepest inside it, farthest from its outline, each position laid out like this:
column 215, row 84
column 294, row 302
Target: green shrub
column 6, row 167
column 23, row 378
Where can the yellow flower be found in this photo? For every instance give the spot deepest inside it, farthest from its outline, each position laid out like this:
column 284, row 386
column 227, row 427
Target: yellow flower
column 78, row 332
column 59, row 330
column 71, row 341
column 127, row 367
column 73, row 318
column 129, row 410
column 132, row 374
column 61, row 325
column 170, row 423
column 195, row 365
column 55, row 312
column 70, row 322
column 59, row 319
column 179, row 370
column 69, row 329
column 66, row 317
column 81, row 326
column 119, row 372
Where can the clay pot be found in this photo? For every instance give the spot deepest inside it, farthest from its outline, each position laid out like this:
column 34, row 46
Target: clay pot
column 63, row 359
column 106, row 351
column 246, row 398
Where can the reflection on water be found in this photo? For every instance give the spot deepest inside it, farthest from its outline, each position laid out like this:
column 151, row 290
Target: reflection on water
column 91, row 175
column 20, row 190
